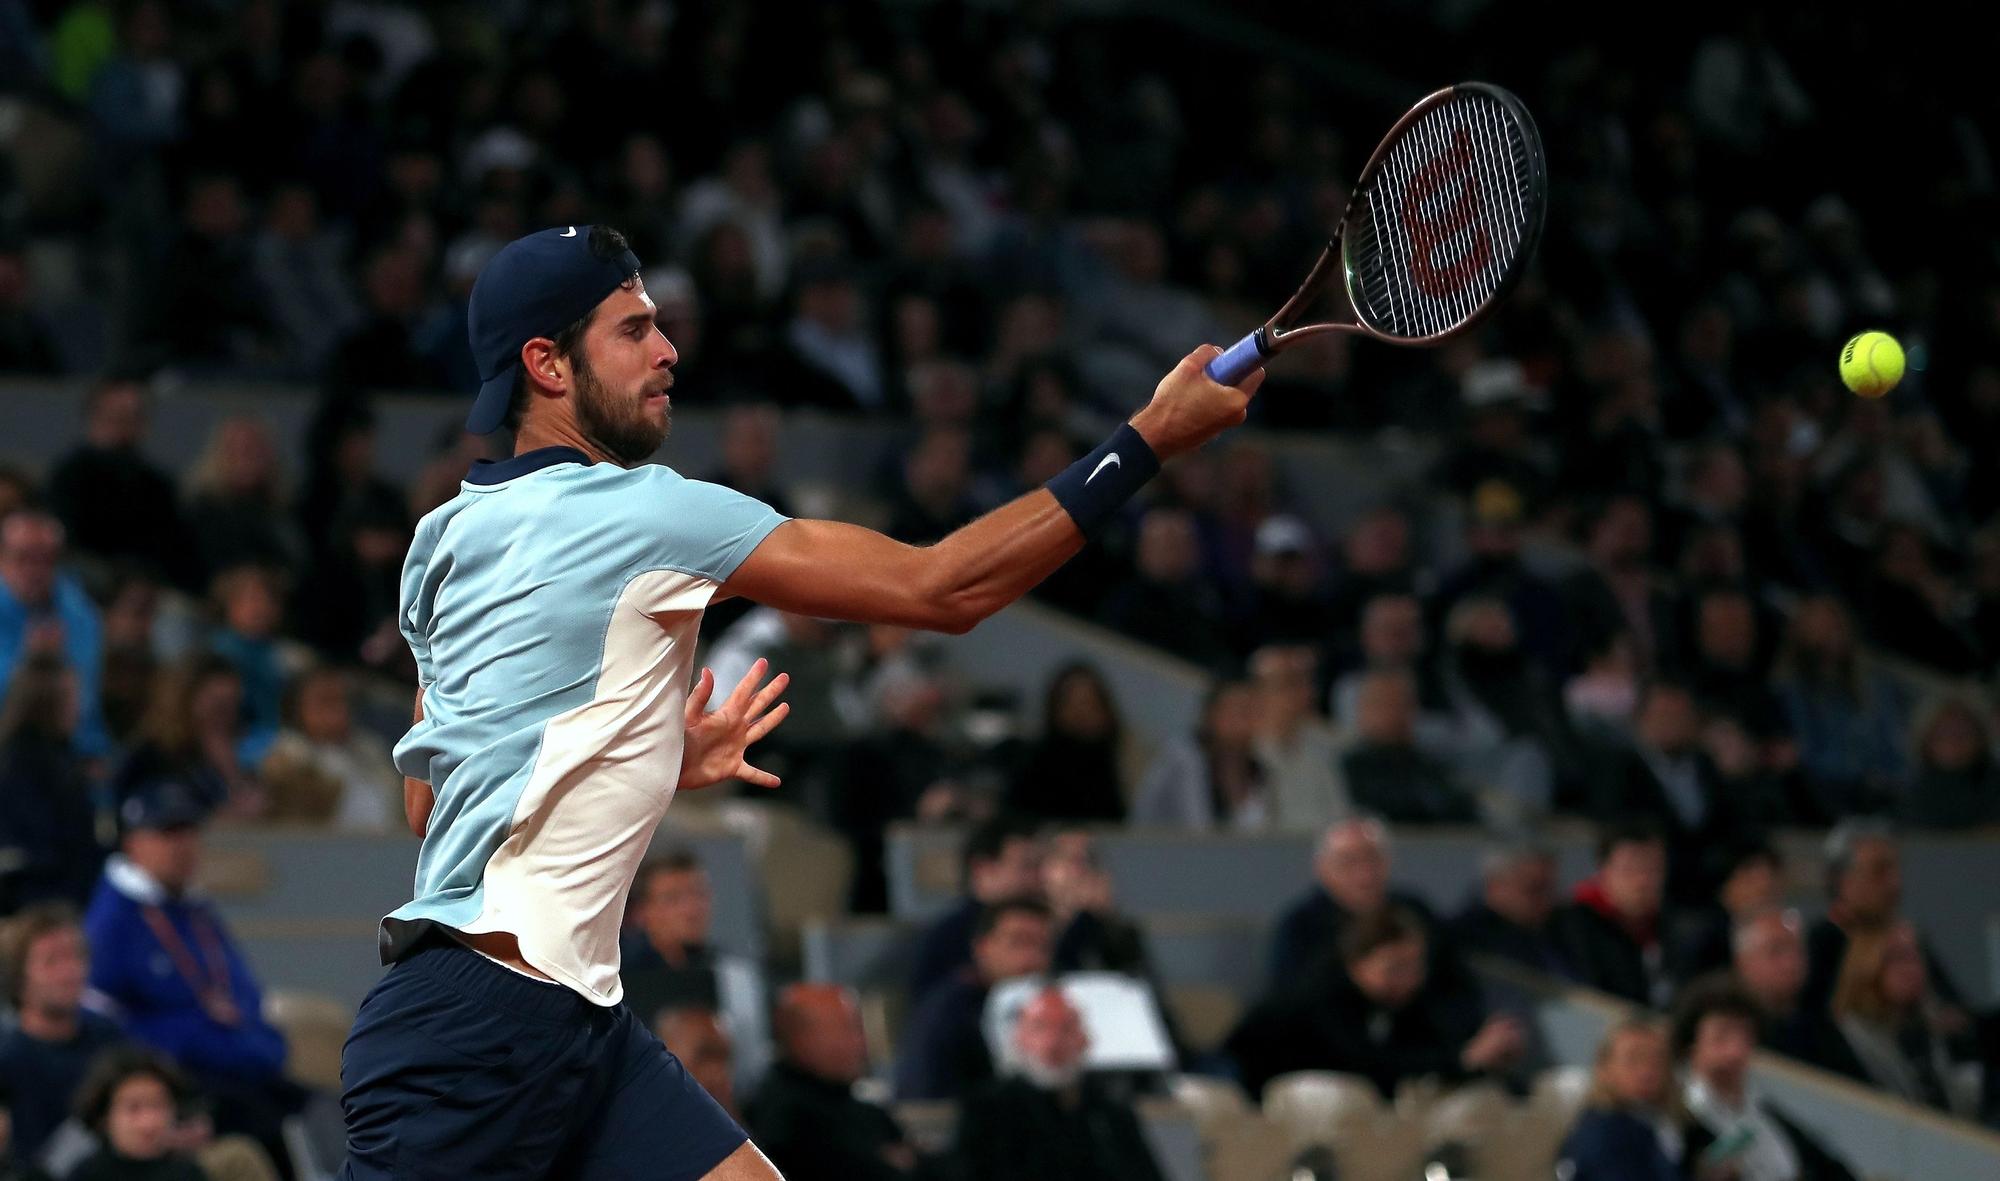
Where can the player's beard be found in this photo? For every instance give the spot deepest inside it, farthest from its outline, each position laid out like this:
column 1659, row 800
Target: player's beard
column 619, row 426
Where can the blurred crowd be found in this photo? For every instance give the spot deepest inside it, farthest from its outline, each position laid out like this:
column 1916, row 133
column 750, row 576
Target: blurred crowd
column 1662, row 567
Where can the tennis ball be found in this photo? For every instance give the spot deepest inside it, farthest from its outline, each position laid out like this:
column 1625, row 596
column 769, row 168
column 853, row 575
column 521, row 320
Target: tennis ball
column 1871, row 364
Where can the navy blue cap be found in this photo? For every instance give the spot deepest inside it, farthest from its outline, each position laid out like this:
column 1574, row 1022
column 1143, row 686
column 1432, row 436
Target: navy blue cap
column 535, row 286
column 162, row 803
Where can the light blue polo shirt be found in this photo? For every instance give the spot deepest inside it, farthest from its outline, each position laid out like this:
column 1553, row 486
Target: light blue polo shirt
column 553, row 607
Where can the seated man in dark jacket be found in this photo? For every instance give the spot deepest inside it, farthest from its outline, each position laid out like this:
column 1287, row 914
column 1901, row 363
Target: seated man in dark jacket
column 806, row 1116
column 1002, row 859
column 1384, row 770
column 1373, row 1011
column 1510, row 918
column 944, row 1053
column 1351, row 870
column 1715, row 1029
column 1768, row 965
column 1047, row 1121
column 1611, row 931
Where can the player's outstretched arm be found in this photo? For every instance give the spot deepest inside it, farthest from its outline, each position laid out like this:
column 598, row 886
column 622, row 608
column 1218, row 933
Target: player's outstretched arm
column 831, row 570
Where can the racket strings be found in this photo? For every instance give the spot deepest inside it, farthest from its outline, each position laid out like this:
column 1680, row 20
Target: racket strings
column 1462, row 172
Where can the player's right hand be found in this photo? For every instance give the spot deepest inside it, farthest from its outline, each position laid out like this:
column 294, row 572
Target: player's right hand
column 1189, row 408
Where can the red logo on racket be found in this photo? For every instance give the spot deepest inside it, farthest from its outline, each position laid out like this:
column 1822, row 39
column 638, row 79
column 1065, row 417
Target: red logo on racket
column 1428, row 233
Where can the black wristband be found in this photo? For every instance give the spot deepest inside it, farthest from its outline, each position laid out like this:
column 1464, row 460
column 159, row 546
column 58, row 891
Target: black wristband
column 1096, row 486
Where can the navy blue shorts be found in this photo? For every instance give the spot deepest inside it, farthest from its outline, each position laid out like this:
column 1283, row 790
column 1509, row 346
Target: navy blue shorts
column 460, row 1068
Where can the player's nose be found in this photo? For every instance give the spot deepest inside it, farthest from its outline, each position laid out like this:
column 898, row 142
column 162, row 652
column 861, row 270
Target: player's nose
column 668, row 356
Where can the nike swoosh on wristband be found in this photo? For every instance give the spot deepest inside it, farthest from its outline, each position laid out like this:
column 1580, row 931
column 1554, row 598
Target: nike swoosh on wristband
column 1110, row 460
column 569, row 233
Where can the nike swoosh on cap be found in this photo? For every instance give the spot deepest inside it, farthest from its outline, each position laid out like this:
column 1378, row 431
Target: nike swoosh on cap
column 1110, row 460
column 568, row 233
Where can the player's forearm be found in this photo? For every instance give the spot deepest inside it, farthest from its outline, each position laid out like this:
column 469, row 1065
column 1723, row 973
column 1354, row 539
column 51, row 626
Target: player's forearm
column 996, row 559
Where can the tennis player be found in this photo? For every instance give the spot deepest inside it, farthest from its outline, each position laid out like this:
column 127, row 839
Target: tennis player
column 552, row 607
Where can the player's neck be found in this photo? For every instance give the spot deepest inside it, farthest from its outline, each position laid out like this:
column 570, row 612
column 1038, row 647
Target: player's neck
column 536, row 434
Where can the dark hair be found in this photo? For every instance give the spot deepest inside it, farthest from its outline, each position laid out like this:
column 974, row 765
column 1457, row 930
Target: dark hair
column 1749, row 849
column 113, row 1068
column 1629, row 830
column 19, row 935
column 672, row 861
column 1715, row 996
column 991, row 915
column 34, row 705
column 1385, row 928
column 1052, row 704
column 606, row 244
column 292, row 705
column 990, row 837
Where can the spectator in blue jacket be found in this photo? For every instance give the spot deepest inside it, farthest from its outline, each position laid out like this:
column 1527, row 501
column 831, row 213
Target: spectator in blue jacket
column 165, row 965
column 43, row 609
column 1630, row 1129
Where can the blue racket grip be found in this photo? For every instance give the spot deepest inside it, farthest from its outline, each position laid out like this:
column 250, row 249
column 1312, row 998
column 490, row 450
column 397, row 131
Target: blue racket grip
column 1241, row 359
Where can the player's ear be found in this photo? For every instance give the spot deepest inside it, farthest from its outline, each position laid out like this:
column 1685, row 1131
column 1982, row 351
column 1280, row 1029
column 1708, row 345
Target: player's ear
column 539, row 357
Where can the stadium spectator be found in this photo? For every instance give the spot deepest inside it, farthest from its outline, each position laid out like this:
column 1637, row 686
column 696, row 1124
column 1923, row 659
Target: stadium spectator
column 1904, row 1036
column 1384, row 771
column 1373, row 1010
column 1729, row 1121
column 48, row 1049
column 236, row 509
column 1726, row 670
column 1211, row 780
column 670, row 961
column 48, row 821
column 1507, row 721
column 1667, row 778
column 1091, row 935
column 695, row 1035
column 131, row 619
column 1845, row 713
column 207, row 1011
column 208, row 312
column 1351, row 881
column 249, row 603
column 1510, row 917
column 191, row 733
column 806, row 1116
column 1171, row 601
column 1864, row 875
column 1913, row 607
column 1611, row 929
column 380, row 352
column 1075, row 768
column 1045, row 1119
column 945, row 1055
column 1620, row 592
column 1495, row 441
column 1288, row 593
column 325, row 768
column 1957, row 784
column 1002, row 859
column 11, row 1169
column 1494, row 568
column 301, row 275
column 1376, row 560
column 1630, row 1129
column 132, row 1099
column 26, row 345
column 1392, row 639
column 749, row 449
column 1768, row 962
column 1292, row 745
column 45, row 610
column 1753, row 883
column 908, row 768
column 349, row 604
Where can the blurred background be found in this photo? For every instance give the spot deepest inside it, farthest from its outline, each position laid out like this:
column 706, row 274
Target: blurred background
column 1365, row 788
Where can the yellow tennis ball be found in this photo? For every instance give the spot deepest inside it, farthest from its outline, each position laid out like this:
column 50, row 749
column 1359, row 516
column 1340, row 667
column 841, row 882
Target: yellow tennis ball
column 1871, row 364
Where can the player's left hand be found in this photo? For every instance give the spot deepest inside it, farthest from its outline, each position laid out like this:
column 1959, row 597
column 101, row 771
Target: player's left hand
column 717, row 742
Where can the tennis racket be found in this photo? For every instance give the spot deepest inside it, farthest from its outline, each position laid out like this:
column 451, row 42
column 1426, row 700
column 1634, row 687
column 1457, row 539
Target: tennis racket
column 1439, row 229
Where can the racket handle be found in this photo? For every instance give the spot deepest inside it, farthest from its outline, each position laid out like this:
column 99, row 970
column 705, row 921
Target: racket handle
column 1241, row 359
